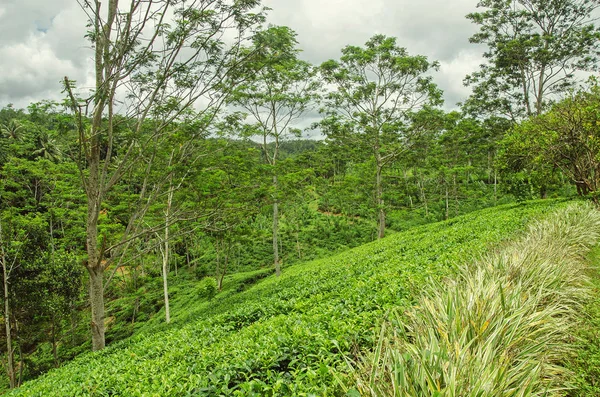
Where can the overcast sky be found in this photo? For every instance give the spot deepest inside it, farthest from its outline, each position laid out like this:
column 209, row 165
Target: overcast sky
column 41, row 41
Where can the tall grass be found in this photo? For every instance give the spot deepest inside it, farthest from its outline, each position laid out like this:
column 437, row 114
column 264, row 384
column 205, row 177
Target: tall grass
column 501, row 327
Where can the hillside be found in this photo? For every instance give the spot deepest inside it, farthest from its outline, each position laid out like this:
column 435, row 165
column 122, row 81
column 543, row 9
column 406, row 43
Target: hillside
column 283, row 336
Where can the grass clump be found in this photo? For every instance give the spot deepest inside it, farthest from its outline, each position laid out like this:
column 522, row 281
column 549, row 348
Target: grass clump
column 503, row 327
column 585, row 364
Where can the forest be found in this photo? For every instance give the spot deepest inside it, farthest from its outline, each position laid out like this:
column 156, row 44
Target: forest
column 173, row 231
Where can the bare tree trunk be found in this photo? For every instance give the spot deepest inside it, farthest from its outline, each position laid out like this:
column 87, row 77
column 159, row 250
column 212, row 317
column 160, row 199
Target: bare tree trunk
column 97, row 303
column 10, row 360
column 298, row 243
column 543, row 192
column 165, row 273
column 275, row 233
column 217, row 259
column 455, row 192
column 187, row 254
column 380, row 204
column 21, row 361
column 166, row 248
column 94, row 264
column 93, row 184
column 54, row 351
column 226, row 262
column 447, row 205
column 421, row 185
column 495, row 186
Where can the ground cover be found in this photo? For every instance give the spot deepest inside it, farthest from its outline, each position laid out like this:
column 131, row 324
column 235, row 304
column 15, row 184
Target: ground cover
column 286, row 336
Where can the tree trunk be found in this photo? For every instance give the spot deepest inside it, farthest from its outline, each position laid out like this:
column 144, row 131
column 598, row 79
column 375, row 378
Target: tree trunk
column 94, row 265
column 217, row 259
column 275, row 232
column 421, row 185
column 166, row 248
column 543, row 192
column 54, row 350
column 165, row 273
column 97, row 303
column 447, row 204
column 94, row 188
column 222, row 277
column 21, row 361
column 380, row 204
column 10, row 361
column 298, row 243
column 495, row 187
column 455, row 192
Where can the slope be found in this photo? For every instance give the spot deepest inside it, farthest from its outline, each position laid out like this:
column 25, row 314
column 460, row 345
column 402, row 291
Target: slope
column 282, row 336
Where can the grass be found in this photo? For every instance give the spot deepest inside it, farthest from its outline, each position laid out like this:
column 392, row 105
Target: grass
column 502, row 327
column 285, row 336
column 585, row 363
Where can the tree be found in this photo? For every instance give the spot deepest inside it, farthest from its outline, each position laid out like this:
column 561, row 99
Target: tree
column 12, row 130
column 375, row 88
column 535, row 48
column 39, row 246
column 147, row 67
column 8, row 263
column 567, row 138
column 278, row 92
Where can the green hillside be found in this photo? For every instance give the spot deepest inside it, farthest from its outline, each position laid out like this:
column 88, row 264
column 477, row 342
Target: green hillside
column 284, row 336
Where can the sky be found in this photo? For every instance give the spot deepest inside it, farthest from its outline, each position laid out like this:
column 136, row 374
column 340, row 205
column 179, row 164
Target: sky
column 42, row 41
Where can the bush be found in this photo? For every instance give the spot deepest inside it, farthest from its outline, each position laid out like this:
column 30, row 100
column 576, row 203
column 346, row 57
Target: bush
column 208, row 288
column 201, row 271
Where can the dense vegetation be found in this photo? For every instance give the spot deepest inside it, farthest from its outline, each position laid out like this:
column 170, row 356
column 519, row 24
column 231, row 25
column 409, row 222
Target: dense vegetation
column 141, row 214
column 284, row 336
column 503, row 325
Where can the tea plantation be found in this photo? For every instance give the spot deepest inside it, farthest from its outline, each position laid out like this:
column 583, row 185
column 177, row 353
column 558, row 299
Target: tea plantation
column 285, row 336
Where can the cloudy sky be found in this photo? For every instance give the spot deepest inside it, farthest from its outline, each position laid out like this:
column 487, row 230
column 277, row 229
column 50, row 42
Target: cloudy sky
column 41, row 41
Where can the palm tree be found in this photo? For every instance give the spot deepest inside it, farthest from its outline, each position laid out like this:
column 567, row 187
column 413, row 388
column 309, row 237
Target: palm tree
column 11, row 130
column 47, row 147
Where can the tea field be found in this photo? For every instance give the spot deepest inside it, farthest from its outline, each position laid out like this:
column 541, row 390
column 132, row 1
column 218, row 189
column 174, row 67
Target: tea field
column 284, row 336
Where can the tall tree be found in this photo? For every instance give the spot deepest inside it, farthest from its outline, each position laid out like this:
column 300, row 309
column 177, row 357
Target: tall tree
column 152, row 59
column 278, row 92
column 375, row 87
column 567, row 138
column 535, row 48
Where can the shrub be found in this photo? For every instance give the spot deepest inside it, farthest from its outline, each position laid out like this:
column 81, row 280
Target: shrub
column 208, row 288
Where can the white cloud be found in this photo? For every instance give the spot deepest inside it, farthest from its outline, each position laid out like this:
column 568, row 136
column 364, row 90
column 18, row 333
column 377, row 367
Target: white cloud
column 40, row 44
column 41, row 41
column 452, row 74
column 435, row 28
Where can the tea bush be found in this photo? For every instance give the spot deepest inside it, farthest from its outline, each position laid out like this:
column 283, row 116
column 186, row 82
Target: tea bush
column 284, row 336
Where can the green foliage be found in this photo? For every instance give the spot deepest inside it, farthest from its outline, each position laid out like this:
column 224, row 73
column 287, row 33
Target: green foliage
column 284, row 336
column 375, row 88
column 207, row 288
column 567, row 138
column 505, row 323
column 534, row 49
column 585, row 363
